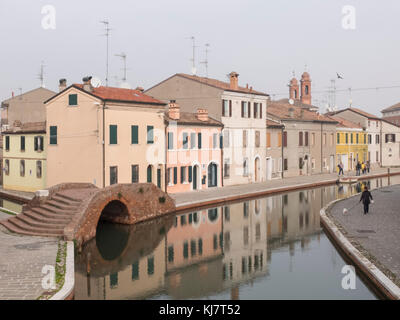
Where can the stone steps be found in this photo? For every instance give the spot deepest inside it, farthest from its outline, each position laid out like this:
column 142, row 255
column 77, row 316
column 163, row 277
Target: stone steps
column 39, row 224
column 18, row 230
column 40, row 218
column 16, row 226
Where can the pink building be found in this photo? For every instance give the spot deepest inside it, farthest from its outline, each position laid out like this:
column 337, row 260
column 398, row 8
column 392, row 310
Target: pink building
column 194, row 150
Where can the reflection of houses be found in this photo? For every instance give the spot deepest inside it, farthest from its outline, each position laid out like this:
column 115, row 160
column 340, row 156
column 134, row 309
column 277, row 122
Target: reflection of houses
column 242, row 110
column 193, row 150
column 104, row 136
column 245, row 243
column 194, row 252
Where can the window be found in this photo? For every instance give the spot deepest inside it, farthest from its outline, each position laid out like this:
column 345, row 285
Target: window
column 268, row 140
column 7, row 167
column 38, row 143
column 171, row 254
column 390, row 138
column 255, row 111
column 149, row 174
column 53, row 135
column 175, row 175
column 190, row 174
column 185, row 140
column 306, row 139
column 199, row 140
column 135, row 134
column 150, row 266
column 227, row 108
column 193, row 248
column 357, row 140
column 73, row 99
column 246, row 109
column 347, row 138
column 244, row 138
column 245, row 167
column 377, row 139
column 186, row 250
column 38, row 169
column 22, row 143
column 113, row 175
column 169, row 176
column 226, row 138
column 300, row 139
column 351, row 138
column 200, row 244
column 114, row 280
column 285, row 164
column 365, row 139
column 307, row 90
column 338, row 138
column 261, row 110
column 135, row 173
column 257, row 139
column 150, row 134
column 113, row 134
column 227, row 168
column 170, row 140
column 183, row 174
column 7, row 143
column 22, row 168
column 135, row 270
column 215, row 140
column 192, row 140
column 279, row 139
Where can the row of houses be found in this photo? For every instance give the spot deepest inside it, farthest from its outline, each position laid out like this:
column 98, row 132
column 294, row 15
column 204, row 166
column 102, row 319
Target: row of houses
column 185, row 133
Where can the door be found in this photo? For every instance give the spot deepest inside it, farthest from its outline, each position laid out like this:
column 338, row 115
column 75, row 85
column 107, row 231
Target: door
column 269, row 169
column 256, row 169
column 195, row 168
column 212, row 175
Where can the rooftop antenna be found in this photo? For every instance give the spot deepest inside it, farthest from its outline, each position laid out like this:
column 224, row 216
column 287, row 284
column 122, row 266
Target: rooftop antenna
column 351, row 97
column 123, row 57
column 205, row 62
column 107, row 35
column 41, row 75
column 194, row 55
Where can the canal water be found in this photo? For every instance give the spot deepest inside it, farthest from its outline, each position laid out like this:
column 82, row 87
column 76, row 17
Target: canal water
column 265, row 248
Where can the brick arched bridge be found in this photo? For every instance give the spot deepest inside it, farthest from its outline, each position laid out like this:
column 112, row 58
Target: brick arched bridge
column 73, row 210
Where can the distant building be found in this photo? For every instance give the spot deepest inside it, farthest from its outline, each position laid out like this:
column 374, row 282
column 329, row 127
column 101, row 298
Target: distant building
column 105, row 136
column 275, row 149
column 351, row 143
column 24, row 162
column 242, row 111
column 392, row 114
column 193, row 150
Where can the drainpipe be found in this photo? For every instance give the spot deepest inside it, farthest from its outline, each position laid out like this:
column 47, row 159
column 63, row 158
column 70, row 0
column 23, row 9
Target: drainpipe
column 104, row 145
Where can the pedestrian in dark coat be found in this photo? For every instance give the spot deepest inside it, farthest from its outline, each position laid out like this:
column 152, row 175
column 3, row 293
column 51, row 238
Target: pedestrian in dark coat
column 366, row 198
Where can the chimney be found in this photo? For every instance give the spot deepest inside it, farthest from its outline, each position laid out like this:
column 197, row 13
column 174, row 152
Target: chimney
column 234, row 83
column 87, row 84
column 202, row 114
column 139, row 89
column 63, row 84
column 173, row 110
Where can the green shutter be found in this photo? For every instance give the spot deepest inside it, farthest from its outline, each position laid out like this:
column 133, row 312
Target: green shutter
column 135, row 134
column 190, row 173
column 113, row 134
column 150, row 134
column 22, row 143
column 53, row 135
column 135, row 270
column 149, row 174
column 170, row 140
column 175, row 175
column 199, row 142
column 73, row 99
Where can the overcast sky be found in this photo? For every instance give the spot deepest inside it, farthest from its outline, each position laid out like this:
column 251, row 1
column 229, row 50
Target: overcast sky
column 264, row 41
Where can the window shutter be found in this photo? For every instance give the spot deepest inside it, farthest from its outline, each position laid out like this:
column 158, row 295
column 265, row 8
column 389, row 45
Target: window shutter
column 23, row 143
column 53, row 135
column 7, row 143
column 175, row 175
column 255, row 110
column 221, row 141
column 230, row 108
column 113, row 134
column 223, row 108
column 199, row 142
column 170, row 140
column 150, row 134
column 73, row 99
column 182, row 174
column 190, row 173
column 261, row 111
column 36, row 140
column 135, row 134
column 242, row 109
column 249, row 109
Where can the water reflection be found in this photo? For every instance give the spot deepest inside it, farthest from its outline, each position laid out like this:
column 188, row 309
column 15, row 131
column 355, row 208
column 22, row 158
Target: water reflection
column 230, row 252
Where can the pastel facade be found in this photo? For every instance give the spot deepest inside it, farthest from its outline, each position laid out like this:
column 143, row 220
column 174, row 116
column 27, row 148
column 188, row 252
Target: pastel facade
column 25, row 158
column 351, row 144
column 274, row 149
column 242, row 111
column 130, row 123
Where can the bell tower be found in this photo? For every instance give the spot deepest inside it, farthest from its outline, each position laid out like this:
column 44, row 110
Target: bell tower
column 294, row 89
column 305, row 88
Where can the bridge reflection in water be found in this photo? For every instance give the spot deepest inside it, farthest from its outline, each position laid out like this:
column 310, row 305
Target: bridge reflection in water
column 266, row 248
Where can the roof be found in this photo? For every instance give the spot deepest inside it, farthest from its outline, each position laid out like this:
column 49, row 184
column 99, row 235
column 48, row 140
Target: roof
column 359, row 111
column 281, row 111
column 46, row 92
column 392, row 108
column 298, row 103
column 217, row 84
column 116, row 94
column 29, row 127
column 344, row 123
column 188, row 118
column 274, row 124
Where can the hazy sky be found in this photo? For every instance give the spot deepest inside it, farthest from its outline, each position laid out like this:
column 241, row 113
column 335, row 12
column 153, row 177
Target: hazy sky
column 264, row 41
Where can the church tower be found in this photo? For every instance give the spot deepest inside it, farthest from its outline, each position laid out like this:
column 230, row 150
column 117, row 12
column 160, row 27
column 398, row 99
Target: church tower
column 305, row 88
column 294, row 89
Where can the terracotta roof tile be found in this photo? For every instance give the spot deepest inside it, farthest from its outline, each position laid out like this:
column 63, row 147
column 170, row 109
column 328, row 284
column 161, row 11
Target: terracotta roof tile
column 392, row 108
column 273, row 123
column 191, row 118
column 344, row 123
column 220, row 84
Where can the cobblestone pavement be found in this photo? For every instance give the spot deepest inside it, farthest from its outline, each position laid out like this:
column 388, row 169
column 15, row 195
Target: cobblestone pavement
column 378, row 232
column 21, row 261
column 215, row 193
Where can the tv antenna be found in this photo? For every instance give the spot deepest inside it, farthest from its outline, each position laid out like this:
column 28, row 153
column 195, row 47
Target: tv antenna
column 194, row 55
column 205, row 62
column 41, row 75
column 107, row 35
column 123, row 57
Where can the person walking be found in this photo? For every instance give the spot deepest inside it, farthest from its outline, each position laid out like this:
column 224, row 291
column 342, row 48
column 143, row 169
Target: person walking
column 368, row 166
column 366, row 198
column 340, row 165
column 358, row 167
column 363, row 168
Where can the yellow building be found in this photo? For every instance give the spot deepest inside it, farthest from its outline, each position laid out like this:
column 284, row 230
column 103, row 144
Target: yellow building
column 351, row 144
column 24, row 157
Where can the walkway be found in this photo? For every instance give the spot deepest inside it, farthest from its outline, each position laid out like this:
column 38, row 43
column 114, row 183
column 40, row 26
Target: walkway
column 378, row 232
column 21, row 261
column 215, row 195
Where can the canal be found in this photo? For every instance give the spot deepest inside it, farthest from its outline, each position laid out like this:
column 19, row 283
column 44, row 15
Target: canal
column 264, row 248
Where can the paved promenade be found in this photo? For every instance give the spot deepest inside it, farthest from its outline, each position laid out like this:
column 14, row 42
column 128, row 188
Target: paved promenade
column 21, row 261
column 378, row 232
column 194, row 197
